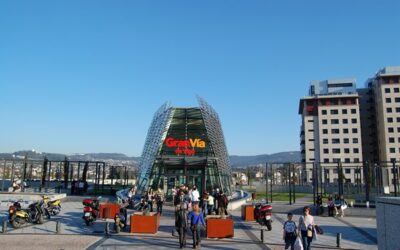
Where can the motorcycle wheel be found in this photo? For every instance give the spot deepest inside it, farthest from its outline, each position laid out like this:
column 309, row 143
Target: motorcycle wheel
column 269, row 225
column 15, row 224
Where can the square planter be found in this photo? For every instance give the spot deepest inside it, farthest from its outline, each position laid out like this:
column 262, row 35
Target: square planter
column 248, row 212
column 219, row 228
column 108, row 210
column 145, row 223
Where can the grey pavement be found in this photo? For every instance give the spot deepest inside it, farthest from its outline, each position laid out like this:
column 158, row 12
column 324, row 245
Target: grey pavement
column 357, row 233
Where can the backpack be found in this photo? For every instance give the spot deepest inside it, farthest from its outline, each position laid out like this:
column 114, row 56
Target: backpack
column 225, row 199
column 292, row 233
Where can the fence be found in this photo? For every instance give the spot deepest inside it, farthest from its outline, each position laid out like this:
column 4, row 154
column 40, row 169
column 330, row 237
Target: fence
column 357, row 181
column 38, row 175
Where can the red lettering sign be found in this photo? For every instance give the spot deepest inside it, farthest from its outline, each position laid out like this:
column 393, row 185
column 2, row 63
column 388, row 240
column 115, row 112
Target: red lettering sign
column 185, row 147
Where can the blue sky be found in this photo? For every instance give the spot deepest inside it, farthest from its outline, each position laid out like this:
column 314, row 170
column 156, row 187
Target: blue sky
column 87, row 76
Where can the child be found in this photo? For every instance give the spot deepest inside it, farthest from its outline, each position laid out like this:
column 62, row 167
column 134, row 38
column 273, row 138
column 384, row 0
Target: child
column 289, row 232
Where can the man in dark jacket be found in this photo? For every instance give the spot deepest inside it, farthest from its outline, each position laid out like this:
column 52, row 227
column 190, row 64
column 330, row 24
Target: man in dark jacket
column 181, row 224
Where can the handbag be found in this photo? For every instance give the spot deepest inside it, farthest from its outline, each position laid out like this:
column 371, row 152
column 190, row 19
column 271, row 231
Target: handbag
column 314, row 235
column 298, row 245
column 319, row 229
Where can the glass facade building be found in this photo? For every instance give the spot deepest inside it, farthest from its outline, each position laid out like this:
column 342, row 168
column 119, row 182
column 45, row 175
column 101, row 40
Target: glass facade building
column 185, row 146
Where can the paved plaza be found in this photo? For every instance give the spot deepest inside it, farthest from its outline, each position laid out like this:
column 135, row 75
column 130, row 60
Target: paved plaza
column 357, row 233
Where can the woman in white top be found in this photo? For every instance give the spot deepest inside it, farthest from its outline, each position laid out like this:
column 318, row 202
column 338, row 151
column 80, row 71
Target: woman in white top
column 306, row 227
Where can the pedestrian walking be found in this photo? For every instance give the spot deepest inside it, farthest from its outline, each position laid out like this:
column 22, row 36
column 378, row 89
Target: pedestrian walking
column 289, row 232
column 196, row 218
column 210, row 204
column 181, row 224
column 159, row 197
column 306, row 227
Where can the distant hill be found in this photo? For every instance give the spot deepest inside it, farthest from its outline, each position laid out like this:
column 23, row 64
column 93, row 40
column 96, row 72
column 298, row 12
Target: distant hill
column 236, row 161
column 240, row 161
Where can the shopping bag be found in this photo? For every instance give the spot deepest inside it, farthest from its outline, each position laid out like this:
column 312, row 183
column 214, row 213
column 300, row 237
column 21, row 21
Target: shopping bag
column 314, row 237
column 298, row 245
column 319, row 229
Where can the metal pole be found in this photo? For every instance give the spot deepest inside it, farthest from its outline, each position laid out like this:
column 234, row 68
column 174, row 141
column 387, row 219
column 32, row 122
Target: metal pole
column 313, row 181
column 290, row 185
column 394, row 177
column 266, row 182
column 294, row 185
column 338, row 238
column 4, row 175
column 272, row 179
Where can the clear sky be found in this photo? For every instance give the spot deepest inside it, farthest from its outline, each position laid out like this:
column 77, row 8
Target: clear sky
column 87, row 76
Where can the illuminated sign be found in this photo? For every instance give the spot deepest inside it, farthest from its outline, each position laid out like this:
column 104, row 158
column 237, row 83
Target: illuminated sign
column 186, row 147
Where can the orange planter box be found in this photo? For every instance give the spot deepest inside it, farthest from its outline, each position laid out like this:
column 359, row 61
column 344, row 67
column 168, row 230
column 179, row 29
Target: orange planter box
column 145, row 223
column 114, row 209
column 219, row 228
column 248, row 212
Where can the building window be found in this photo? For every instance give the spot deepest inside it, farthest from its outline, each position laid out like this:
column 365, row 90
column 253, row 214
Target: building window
column 334, row 112
column 335, row 131
column 392, row 150
column 391, row 139
column 347, row 151
column 345, row 131
column 336, row 160
column 345, row 121
column 355, row 150
column 354, row 130
column 325, row 131
column 387, row 90
column 326, row 160
column 335, row 140
column 325, row 141
column 346, row 140
column 354, row 120
column 388, row 100
column 389, row 110
column 310, row 120
column 311, row 130
column 324, row 121
column 344, row 111
column 326, row 150
column 390, row 119
column 356, row 160
column 347, row 170
column 398, row 130
column 324, row 112
column 311, row 140
column 396, row 90
column 355, row 140
column 397, row 99
column 353, row 111
column 334, row 121
column 398, row 110
column 336, row 150
column 311, row 149
column 390, row 130
column 398, row 139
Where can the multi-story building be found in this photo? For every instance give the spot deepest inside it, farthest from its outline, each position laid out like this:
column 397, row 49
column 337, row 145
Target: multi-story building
column 331, row 130
column 384, row 88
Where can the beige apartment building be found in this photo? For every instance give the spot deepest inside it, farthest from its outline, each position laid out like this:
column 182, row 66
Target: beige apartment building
column 341, row 123
column 385, row 90
column 331, row 130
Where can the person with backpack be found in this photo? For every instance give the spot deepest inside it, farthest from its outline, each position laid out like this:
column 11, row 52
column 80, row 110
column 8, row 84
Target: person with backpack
column 289, row 232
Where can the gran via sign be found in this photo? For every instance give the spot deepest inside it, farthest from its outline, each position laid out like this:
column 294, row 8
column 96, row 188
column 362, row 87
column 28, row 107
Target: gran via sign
column 185, row 147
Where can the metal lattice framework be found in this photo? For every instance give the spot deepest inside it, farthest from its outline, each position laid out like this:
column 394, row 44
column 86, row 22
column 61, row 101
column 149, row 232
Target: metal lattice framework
column 216, row 136
column 155, row 136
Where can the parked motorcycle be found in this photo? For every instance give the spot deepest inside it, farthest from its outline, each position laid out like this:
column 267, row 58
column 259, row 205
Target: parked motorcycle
column 18, row 216
column 90, row 210
column 54, row 207
column 263, row 215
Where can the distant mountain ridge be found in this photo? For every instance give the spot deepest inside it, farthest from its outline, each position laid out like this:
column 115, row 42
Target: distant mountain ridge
column 236, row 161
column 291, row 156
